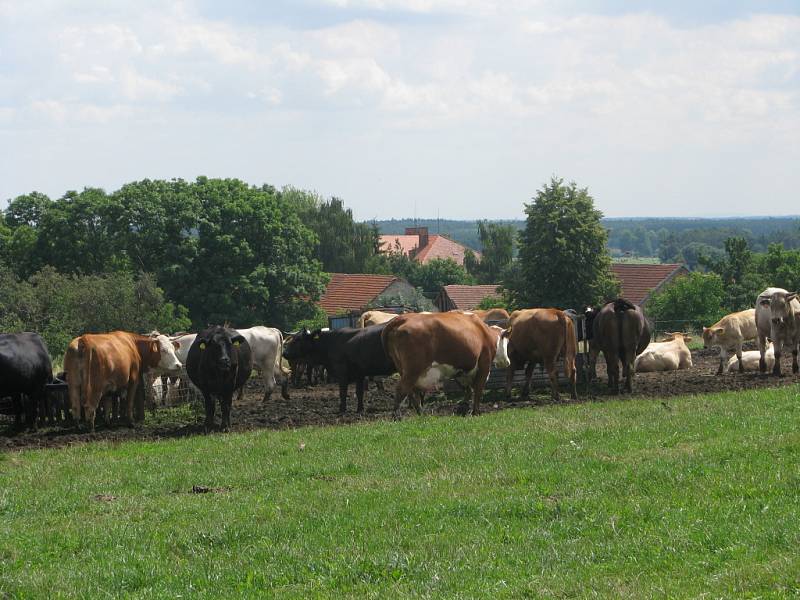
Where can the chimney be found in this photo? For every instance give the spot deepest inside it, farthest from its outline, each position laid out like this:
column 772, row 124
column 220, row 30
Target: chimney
column 422, row 233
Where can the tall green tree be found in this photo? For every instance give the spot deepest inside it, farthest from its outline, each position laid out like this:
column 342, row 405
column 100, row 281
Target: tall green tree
column 563, row 260
column 739, row 270
column 344, row 245
column 497, row 243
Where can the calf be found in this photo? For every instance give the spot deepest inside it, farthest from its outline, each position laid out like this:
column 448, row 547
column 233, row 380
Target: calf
column 219, row 363
column 669, row 355
column 349, row 354
column 25, row 371
column 749, row 361
column 108, row 363
column 427, row 348
column 778, row 319
column 729, row 333
column 541, row 336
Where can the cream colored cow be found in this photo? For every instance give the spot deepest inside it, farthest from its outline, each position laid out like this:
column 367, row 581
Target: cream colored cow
column 729, row 333
column 374, row 317
column 670, row 355
column 750, row 359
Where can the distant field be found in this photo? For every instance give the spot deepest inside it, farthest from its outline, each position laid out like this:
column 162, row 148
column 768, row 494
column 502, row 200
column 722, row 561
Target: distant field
column 688, row 497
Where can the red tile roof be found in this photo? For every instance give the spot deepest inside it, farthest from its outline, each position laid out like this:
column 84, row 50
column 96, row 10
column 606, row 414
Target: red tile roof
column 639, row 281
column 442, row 247
column 408, row 243
column 467, row 297
column 438, row 246
column 347, row 291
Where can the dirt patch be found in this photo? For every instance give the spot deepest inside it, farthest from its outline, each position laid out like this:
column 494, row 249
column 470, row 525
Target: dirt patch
column 319, row 405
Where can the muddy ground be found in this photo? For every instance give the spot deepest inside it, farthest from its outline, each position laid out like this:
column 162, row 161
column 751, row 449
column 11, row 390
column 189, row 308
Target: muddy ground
column 319, row 405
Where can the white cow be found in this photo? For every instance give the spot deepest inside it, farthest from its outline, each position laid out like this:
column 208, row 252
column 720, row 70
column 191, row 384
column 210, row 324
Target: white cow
column 266, row 347
column 778, row 319
column 729, row 333
column 669, row 355
column 751, row 358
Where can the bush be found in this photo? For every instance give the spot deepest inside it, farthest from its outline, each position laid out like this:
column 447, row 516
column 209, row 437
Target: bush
column 689, row 302
column 60, row 307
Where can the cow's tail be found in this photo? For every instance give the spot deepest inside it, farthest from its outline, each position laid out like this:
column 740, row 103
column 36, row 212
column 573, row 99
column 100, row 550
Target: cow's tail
column 570, row 343
column 85, row 359
column 621, row 306
column 279, row 368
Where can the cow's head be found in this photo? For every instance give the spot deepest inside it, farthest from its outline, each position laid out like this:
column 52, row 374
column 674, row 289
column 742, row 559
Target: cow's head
column 219, row 347
column 304, row 344
column 501, row 359
column 711, row 336
column 779, row 304
column 168, row 362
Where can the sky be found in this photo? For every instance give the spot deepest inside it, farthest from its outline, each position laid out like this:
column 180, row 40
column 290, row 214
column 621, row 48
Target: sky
column 456, row 108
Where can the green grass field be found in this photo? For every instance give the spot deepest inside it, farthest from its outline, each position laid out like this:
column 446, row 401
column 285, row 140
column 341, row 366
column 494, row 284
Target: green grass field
column 691, row 497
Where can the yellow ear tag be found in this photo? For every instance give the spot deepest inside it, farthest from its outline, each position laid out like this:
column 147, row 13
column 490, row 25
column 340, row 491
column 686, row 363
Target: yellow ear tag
column 236, row 343
column 316, row 337
column 202, row 345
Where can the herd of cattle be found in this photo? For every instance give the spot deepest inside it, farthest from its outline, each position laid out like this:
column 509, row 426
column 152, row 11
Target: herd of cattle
column 423, row 348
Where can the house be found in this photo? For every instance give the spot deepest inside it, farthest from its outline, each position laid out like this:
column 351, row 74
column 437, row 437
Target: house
column 351, row 292
column 418, row 244
column 638, row 282
column 464, row 297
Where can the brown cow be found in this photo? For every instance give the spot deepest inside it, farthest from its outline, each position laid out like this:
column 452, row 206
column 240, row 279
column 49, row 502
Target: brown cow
column 97, row 364
column 427, row 348
column 541, row 335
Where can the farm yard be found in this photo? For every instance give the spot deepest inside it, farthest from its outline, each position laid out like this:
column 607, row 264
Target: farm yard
column 318, row 405
column 687, row 495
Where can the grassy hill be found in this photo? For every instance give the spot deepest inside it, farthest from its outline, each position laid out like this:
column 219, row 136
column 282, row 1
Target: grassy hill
column 631, row 498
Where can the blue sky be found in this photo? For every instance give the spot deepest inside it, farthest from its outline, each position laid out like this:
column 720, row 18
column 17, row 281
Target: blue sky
column 463, row 108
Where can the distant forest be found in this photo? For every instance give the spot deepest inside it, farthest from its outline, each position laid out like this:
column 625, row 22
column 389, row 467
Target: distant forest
column 669, row 239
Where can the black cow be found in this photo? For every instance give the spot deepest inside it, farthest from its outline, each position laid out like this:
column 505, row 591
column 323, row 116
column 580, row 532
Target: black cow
column 621, row 332
column 25, row 370
column 219, row 363
column 348, row 354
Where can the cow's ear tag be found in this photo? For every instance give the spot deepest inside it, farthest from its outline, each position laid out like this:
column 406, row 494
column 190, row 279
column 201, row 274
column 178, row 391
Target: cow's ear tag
column 316, row 337
column 236, row 343
column 202, row 345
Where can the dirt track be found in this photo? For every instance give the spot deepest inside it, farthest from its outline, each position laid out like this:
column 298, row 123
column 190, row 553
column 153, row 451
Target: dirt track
column 319, row 405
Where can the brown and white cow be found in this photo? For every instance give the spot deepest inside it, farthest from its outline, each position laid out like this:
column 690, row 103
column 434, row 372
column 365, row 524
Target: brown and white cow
column 541, row 335
column 729, row 333
column 668, row 355
column 778, row 319
column 428, row 348
column 99, row 364
column 374, row 317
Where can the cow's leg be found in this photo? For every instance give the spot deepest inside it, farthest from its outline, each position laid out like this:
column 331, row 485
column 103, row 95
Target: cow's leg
column 762, row 348
column 107, row 409
column 794, row 359
column 132, row 402
column 360, row 394
column 225, row 404
column 526, row 387
column 612, row 366
column 403, row 389
column 479, row 382
column 723, row 359
column 552, row 374
column 31, row 404
column 343, row 395
column 739, row 357
column 778, row 345
column 269, row 384
column 208, row 400
column 510, row 378
column 593, row 353
column 285, row 386
column 572, row 376
column 416, row 398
